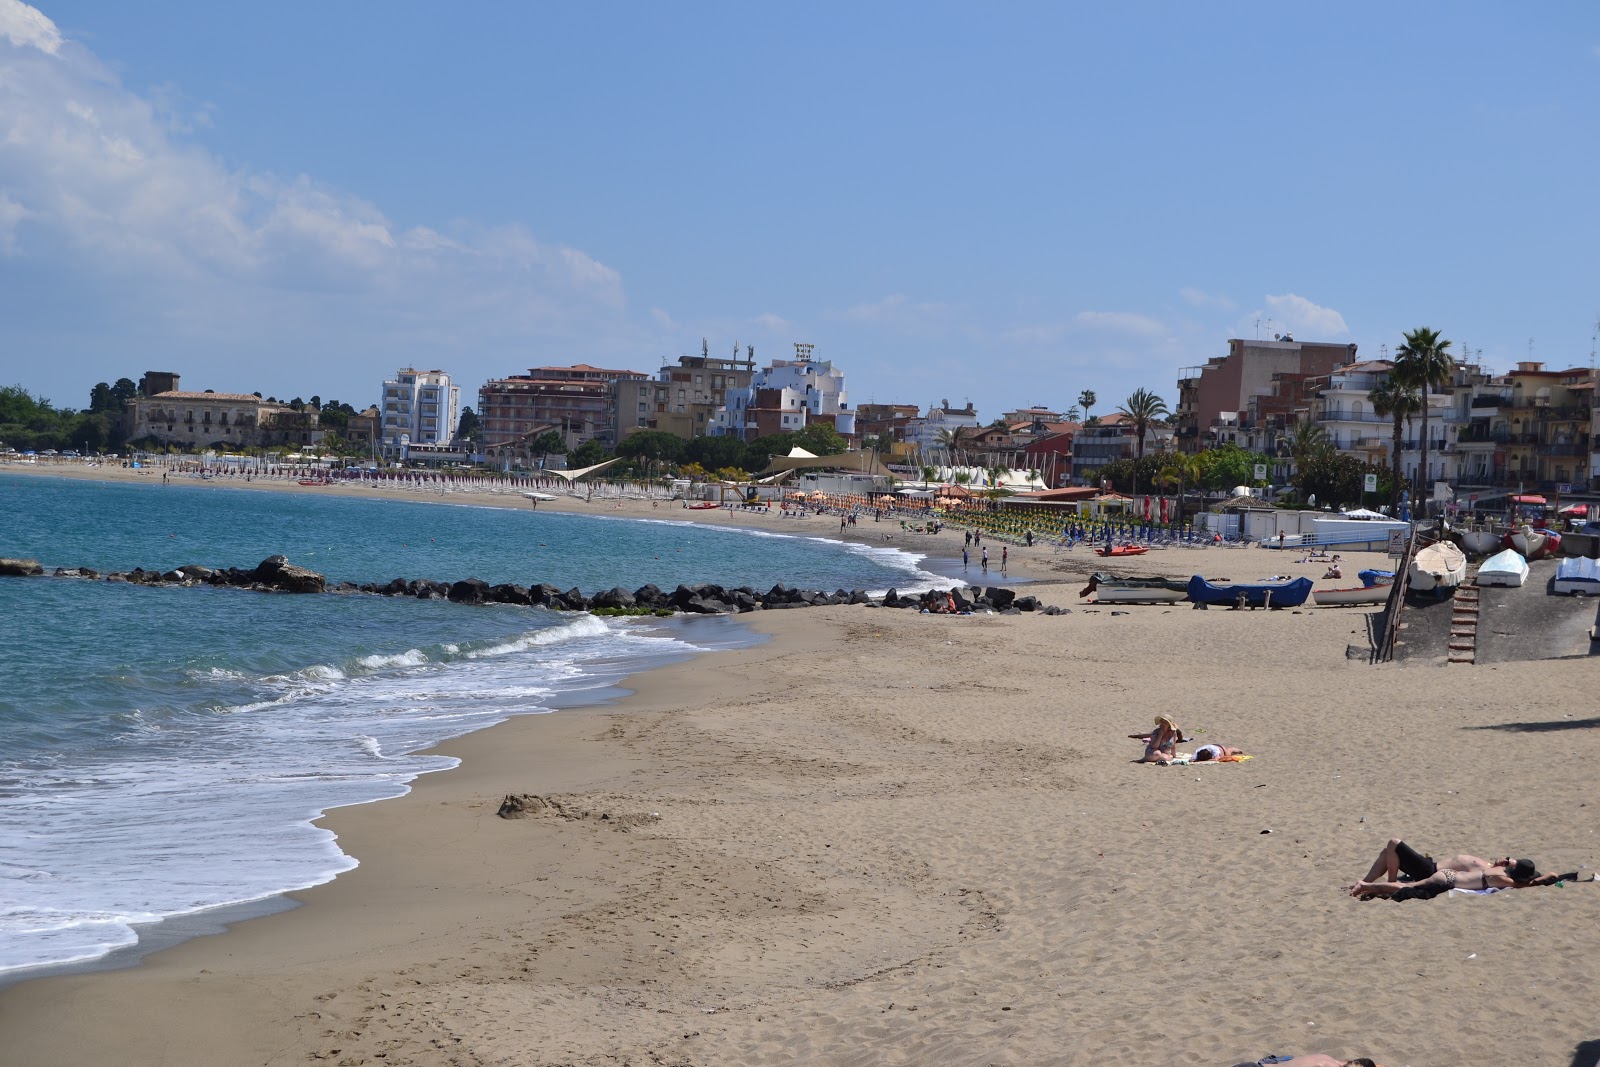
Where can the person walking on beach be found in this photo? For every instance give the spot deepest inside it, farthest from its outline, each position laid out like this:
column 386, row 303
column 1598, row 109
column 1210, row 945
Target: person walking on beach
column 963, row 559
column 986, row 559
column 1005, row 554
column 968, row 541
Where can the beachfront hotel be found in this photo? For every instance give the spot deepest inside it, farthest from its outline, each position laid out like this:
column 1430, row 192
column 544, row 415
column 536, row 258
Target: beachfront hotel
column 578, row 402
column 420, row 407
column 784, row 397
column 682, row 400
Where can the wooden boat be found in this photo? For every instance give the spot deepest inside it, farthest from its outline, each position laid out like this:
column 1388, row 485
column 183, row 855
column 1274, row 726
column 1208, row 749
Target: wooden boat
column 1284, row 593
column 1370, row 578
column 1577, row 576
column 1121, row 550
column 1504, row 568
column 1355, row 594
column 1480, row 540
column 1113, row 589
column 1438, row 567
column 1533, row 544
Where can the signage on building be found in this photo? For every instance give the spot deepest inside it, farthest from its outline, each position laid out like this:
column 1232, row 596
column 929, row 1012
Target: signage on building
column 1261, row 471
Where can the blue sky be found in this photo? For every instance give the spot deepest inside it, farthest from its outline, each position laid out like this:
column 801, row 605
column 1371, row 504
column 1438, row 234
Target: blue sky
column 1001, row 203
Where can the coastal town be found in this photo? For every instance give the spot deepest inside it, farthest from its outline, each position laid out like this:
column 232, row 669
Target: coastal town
column 1298, row 420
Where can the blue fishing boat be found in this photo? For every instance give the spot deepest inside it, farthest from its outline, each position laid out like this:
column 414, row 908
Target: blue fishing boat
column 1286, row 593
column 1370, row 578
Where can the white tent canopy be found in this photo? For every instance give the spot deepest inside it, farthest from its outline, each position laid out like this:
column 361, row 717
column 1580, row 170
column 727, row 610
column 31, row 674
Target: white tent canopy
column 573, row 476
column 1362, row 513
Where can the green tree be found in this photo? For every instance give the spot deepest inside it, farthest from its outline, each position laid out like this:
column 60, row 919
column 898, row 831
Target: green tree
column 1332, row 478
column 1423, row 362
column 1395, row 399
column 1087, row 401
column 1179, row 470
column 588, row 454
column 468, row 426
column 546, row 443
column 123, row 390
column 713, row 453
column 1227, row 465
column 821, row 439
column 650, row 447
column 101, row 399
column 1143, row 409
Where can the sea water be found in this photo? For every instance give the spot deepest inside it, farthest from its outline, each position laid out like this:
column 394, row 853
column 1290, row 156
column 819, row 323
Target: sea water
column 165, row 751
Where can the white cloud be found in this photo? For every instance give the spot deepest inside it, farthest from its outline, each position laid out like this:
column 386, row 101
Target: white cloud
column 171, row 240
column 899, row 312
column 11, row 213
column 1201, row 299
column 774, row 323
column 27, row 27
column 663, row 320
column 1298, row 315
column 1122, row 322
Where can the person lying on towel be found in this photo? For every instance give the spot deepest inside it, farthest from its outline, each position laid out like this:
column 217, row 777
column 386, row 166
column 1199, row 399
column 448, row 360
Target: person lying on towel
column 1426, row 877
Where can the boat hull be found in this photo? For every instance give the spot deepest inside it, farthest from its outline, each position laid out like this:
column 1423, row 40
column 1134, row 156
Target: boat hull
column 1528, row 541
column 1438, row 567
column 1138, row 594
column 1122, row 550
column 1506, row 568
column 1480, row 542
column 1577, row 576
column 1339, row 598
column 1289, row 594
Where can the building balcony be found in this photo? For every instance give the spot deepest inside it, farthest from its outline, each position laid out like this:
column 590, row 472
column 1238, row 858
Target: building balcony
column 1354, row 416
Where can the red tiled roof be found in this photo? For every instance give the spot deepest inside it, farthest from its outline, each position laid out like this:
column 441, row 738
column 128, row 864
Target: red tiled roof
column 182, row 394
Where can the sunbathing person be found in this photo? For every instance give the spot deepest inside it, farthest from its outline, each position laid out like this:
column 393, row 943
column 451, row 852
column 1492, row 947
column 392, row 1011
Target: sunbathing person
column 1162, row 743
column 1316, row 1059
column 1427, row 877
column 1215, row 752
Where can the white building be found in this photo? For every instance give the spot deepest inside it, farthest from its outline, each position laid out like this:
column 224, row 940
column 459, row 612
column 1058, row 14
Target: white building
column 421, row 404
column 926, row 437
column 784, row 397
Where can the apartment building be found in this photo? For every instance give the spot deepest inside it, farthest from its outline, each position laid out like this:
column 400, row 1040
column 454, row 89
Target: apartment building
column 927, row 438
column 579, row 402
column 785, row 397
column 1222, row 394
column 1112, row 438
column 682, row 400
column 421, row 406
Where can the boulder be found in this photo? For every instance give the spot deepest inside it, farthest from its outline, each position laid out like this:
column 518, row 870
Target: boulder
column 510, row 594
column 276, row 572
column 20, row 568
column 197, row 572
column 649, row 596
column 398, row 587
column 999, row 599
column 574, row 600
column 859, row 596
column 699, row 605
column 1026, row 603
column 469, row 591
column 545, row 595
column 615, row 598
column 428, row 589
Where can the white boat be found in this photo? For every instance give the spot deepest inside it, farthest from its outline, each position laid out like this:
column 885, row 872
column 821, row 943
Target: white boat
column 1358, row 594
column 1577, row 576
column 1437, row 567
column 1480, row 540
column 537, row 497
column 1114, row 589
column 1528, row 541
column 1504, row 568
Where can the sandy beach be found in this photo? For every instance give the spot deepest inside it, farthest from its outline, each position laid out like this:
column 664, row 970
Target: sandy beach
column 890, row 838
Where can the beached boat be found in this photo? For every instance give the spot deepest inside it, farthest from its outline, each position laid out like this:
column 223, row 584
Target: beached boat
column 704, row 505
column 1121, row 550
column 1355, row 594
column 1437, row 567
column 1480, row 540
column 1280, row 593
column 1577, row 576
column 1504, row 568
column 1533, row 544
column 1370, row 578
column 1113, row 589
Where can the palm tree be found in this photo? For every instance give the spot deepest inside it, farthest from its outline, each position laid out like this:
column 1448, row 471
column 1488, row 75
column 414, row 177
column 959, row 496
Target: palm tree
column 1086, row 401
column 1180, row 469
column 1423, row 362
column 1142, row 408
column 950, row 441
column 1393, row 397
